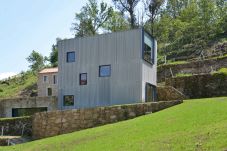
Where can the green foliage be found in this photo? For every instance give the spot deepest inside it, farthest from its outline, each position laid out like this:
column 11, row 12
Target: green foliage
column 185, row 28
column 12, row 87
column 91, row 18
column 53, row 58
column 36, row 60
column 194, row 125
column 221, row 71
column 183, row 74
column 116, row 22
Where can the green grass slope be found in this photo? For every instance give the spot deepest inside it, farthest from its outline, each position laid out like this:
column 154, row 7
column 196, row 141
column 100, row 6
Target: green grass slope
column 21, row 85
column 194, row 125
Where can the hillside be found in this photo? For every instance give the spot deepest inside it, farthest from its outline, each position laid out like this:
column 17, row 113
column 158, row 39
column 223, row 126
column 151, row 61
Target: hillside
column 23, row 84
column 194, row 125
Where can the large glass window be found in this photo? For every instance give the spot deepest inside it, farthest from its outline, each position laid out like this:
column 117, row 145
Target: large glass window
column 68, row 100
column 70, row 56
column 148, row 52
column 16, row 112
column 83, row 79
column 105, row 71
column 150, row 92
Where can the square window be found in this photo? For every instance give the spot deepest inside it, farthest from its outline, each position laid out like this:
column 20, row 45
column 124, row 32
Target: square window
column 68, row 100
column 45, row 78
column 70, row 56
column 83, row 79
column 104, row 71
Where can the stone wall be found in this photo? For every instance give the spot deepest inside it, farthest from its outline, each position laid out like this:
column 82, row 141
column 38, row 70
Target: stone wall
column 200, row 86
column 14, row 126
column 48, row 124
column 196, row 67
column 6, row 105
column 169, row 93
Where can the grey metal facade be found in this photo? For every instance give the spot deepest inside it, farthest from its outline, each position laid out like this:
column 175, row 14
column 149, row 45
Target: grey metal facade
column 129, row 72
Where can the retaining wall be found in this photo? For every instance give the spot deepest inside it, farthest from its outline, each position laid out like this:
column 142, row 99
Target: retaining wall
column 200, row 86
column 53, row 123
column 196, row 67
column 169, row 93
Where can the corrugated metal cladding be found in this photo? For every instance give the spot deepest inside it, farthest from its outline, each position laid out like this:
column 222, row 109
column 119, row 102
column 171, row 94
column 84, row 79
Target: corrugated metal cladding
column 121, row 50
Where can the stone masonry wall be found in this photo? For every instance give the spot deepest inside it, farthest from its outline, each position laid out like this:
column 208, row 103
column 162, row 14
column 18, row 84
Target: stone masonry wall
column 200, row 86
column 48, row 124
column 196, row 67
column 6, row 105
column 169, row 93
column 14, row 126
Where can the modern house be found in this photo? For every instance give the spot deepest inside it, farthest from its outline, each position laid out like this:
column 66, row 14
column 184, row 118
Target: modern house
column 47, row 82
column 108, row 69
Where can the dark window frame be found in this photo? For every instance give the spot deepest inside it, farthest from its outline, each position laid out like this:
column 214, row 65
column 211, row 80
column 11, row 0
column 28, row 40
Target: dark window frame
column 152, row 62
column 64, row 97
column 80, row 81
column 67, row 56
column 54, row 79
column 45, row 78
column 51, row 92
column 104, row 66
column 154, row 94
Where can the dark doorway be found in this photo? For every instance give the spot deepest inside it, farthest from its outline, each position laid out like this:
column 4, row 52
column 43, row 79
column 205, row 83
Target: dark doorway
column 150, row 91
column 49, row 91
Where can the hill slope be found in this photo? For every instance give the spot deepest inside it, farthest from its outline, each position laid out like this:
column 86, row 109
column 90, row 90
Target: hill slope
column 193, row 125
column 23, row 84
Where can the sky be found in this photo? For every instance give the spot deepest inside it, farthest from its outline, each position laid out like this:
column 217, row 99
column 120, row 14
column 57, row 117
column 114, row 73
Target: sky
column 27, row 25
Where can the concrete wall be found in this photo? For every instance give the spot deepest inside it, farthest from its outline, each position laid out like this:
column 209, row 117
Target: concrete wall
column 121, row 50
column 196, row 67
column 43, row 86
column 6, row 105
column 14, row 126
column 48, row 124
column 200, row 86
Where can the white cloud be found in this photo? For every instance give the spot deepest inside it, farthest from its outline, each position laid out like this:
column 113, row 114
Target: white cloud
column 6, row 75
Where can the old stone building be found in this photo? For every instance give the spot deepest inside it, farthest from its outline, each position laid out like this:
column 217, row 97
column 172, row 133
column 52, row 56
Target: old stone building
column 48, row 82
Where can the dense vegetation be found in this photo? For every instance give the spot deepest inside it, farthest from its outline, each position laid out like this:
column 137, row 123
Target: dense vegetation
column 194, row 125
column 184, row 28
column 24, row 84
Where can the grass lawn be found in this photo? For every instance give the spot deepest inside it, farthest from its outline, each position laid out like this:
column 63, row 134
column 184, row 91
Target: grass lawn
column 13, row 86
column 194, row 125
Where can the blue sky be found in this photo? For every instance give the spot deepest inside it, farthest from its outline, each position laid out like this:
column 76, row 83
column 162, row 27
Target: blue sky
column 27, row 25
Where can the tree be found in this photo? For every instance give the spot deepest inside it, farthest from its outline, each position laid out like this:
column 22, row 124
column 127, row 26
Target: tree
column 91, row 18
column 127, row 6
column 53, row 58
column 116, row 22
column 36, row 60
column 152, row 8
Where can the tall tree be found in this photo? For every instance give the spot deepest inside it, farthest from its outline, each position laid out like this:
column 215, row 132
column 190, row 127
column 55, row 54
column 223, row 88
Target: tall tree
column 152, row 8
column 53, row 58
column 91, row 18
column 117, row 22
column 127, row 6
column 36, row 60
